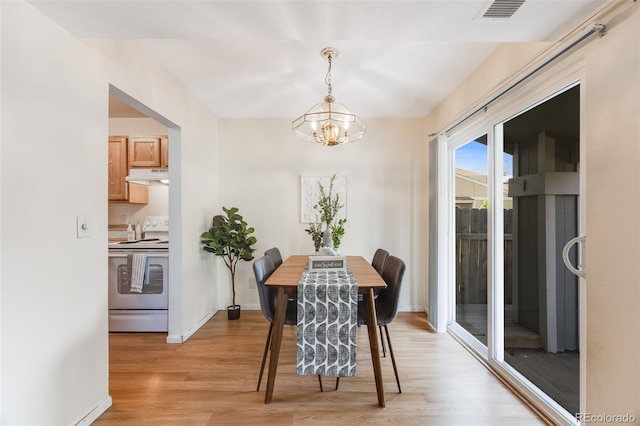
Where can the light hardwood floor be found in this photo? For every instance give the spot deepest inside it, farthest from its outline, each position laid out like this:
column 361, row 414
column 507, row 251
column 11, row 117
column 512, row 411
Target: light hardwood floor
column 211, row 380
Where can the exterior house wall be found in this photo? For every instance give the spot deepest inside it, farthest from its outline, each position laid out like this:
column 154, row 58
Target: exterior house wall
column 471, row 193
column 611, row 66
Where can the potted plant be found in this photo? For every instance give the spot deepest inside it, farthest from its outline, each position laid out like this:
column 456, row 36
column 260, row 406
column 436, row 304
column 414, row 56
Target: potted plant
column 230, row 238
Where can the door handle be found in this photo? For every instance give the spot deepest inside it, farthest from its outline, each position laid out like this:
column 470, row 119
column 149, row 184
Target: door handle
column 580, row 270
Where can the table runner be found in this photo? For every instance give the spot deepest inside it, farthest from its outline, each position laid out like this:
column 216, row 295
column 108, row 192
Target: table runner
column 327, row 323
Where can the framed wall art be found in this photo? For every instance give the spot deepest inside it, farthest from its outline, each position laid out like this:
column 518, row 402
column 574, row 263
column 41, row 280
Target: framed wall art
column 310, row 194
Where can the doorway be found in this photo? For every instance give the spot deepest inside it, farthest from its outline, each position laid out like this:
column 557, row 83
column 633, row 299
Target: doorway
column 134, row 108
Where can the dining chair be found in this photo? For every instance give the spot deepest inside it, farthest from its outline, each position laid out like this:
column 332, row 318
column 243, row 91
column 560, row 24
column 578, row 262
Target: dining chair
column 262, row 269
column 276, row 257
column 379, row 257
column 377, row 262
column 386, row 304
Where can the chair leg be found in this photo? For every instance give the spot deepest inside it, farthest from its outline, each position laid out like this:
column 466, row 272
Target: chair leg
column 393, row 359
column 264, row 356
column 337, row 382
column 320, row 381
column 384, row 349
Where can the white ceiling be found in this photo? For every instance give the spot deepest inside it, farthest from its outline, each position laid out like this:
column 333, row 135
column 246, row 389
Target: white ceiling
column 261, row 59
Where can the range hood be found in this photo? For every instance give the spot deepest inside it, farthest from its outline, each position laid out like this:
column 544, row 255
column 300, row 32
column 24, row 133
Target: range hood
column 144, row 176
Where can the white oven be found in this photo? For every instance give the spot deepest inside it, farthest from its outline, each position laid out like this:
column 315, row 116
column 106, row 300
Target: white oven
column 147, row 309
column 139, row 285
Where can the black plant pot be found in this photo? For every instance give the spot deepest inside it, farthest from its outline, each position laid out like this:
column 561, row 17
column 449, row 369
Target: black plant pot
column 233, row 312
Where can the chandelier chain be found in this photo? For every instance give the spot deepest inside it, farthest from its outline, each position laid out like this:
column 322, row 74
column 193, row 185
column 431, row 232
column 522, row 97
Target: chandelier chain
column 327, row 78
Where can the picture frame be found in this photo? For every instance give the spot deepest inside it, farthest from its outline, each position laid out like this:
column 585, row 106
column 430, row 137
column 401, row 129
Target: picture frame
column 310, row 194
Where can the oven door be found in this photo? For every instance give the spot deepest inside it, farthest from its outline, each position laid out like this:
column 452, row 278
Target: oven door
column 154, row 294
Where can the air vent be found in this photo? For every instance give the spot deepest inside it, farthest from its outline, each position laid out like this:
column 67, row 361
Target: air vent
column 502, row 9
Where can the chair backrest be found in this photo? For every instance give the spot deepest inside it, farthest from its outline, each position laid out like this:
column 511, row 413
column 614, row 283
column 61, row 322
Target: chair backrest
column 387, row 301
column 262, row 269
column 379, row 257
column 274, row 254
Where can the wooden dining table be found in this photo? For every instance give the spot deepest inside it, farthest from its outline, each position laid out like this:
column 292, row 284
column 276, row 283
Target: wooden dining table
column 286, row 277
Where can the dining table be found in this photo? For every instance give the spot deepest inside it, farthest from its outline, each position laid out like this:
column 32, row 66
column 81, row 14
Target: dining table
column 286, row 278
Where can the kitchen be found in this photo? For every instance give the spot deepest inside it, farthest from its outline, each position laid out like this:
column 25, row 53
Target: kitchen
column 138, row 218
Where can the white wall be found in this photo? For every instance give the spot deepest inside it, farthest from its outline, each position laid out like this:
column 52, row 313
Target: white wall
column 612, row 131
column 193, row 170
column 613, row 219
column 53, row 286
column 260, row 174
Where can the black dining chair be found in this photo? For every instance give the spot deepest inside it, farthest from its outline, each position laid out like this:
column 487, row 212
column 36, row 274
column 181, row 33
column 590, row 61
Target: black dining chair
column 262, row 269
column 276, row 257
column 379, row 257
column 386, row 304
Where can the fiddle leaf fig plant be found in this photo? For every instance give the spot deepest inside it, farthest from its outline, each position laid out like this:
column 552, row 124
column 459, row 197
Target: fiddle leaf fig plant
column 230, row 238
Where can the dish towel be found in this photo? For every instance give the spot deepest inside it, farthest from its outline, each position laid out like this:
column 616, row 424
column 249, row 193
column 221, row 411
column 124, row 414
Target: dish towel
column 327, row 323
column 138, row 268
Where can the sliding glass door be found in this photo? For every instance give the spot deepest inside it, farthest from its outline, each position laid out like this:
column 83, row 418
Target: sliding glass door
column 517, row 203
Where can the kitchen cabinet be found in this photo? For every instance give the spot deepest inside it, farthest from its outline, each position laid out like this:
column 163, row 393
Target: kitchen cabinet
column 117, row 168
column 164, row 152
column 144, row 151
column 119, row 188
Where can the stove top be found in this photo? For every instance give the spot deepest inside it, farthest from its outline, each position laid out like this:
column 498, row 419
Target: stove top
column 155, row 232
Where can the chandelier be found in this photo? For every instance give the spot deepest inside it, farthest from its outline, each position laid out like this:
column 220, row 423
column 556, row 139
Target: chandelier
column 329, row 123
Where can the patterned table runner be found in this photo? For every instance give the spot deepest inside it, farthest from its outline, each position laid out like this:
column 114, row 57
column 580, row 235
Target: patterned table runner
column 327, row 323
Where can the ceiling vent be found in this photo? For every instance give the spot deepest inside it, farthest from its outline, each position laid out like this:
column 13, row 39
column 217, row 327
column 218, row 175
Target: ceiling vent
column 502, row 9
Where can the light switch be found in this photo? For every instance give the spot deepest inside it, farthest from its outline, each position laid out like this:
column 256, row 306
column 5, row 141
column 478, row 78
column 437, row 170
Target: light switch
column 84, row 230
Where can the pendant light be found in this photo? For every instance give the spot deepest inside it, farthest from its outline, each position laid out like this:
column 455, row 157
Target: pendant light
column 329, row 123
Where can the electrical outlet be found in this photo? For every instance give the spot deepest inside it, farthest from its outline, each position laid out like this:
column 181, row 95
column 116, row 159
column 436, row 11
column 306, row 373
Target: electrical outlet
column 252, row 282
column 124, row 219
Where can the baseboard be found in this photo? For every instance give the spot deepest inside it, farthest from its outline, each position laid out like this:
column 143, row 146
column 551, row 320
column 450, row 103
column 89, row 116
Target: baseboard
column 411, row 308
column 174, row 338
column 197, row 325
column 96, row 412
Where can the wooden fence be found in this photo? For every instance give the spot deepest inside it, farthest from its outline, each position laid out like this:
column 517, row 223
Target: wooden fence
column 471, row 256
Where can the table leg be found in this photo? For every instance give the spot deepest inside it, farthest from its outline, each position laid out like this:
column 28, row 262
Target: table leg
column 276, row 340
column 372, row 328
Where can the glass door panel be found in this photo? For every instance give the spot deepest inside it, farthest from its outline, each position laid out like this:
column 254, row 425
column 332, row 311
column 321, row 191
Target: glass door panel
column 471, row 201
column 541, row 215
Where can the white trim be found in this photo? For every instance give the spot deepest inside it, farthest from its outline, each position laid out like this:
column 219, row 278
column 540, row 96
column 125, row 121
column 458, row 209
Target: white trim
column 444, row 234
column 96, row 412
column 197, row 326
column 582, row 230
column 495, row 248
column 173, row 339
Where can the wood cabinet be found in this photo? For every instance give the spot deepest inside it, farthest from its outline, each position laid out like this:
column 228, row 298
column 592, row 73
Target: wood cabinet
column 119, row 189
column 164, row 152
column 117, row 168
column 144, row 151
